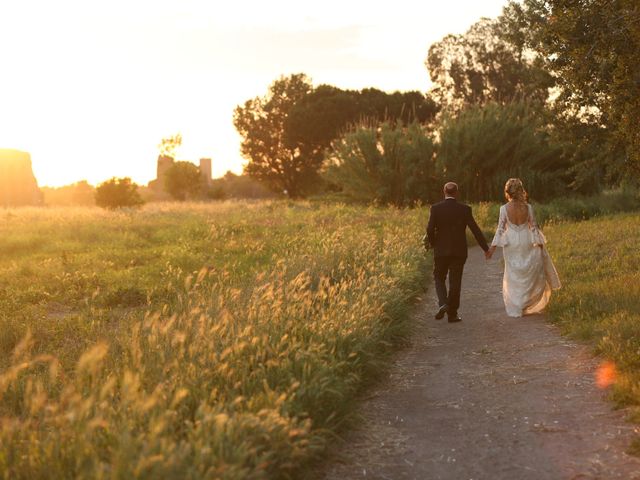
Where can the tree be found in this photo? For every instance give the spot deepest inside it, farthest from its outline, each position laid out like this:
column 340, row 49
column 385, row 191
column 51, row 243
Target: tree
column 79, row 193
column 117, row 193
column 183, row 180
column 593, row 49
column 169, row 145
column 327, row 112
column 283, row 163
column 489, row 63
column 388, row 164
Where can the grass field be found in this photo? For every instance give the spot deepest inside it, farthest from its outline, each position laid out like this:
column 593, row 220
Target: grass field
column 228, row 340
column 195, row 341
column 599, row 264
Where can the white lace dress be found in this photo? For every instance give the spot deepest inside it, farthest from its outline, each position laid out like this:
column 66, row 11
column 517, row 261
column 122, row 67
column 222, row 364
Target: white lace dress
column 529, row 273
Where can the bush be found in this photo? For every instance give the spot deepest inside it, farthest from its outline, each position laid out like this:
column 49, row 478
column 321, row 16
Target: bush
column 237, row 186
column 118, row 193
column 389, row 164
column 584, row 208
column 483, row 146
column 566, row 209
column 183, row 180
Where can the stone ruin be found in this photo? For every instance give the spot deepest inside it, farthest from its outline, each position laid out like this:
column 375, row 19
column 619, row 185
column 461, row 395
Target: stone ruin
column 205, row 170
column 18, row 185
column 164, row 164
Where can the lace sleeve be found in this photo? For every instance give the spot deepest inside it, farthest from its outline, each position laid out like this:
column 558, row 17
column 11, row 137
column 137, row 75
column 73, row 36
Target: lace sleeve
column 538, row 237
column 500, row 238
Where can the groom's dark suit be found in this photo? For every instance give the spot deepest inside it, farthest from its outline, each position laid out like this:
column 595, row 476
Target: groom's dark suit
column 446, row 232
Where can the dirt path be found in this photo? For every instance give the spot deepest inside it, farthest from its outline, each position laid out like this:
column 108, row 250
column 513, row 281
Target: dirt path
column 488, row 398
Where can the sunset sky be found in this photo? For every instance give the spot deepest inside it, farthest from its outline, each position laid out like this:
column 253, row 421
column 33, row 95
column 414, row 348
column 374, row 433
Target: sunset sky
column 90, row 87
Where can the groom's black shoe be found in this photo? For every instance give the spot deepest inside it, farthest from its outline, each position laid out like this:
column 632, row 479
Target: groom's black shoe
column 441, row 311
column 454, row 318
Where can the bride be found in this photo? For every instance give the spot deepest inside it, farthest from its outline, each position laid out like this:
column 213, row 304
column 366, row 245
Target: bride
column 529, row 273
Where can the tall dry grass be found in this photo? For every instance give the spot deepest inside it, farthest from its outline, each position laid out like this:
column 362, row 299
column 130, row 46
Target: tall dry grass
column 239, row 368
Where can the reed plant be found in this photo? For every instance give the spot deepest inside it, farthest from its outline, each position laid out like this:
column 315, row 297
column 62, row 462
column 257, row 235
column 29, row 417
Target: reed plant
column 194, row 341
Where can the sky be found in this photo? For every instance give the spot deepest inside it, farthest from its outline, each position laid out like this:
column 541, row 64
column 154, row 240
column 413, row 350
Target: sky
column 90, row 87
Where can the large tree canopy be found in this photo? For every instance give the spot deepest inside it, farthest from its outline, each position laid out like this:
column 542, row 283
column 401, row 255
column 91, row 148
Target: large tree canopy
column 281, row 162
column 593, row 49
column 287, row 131
column 327, row 112
column 489, row 63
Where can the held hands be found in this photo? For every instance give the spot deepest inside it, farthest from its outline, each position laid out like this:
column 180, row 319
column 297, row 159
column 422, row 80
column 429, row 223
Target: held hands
column 489, row 253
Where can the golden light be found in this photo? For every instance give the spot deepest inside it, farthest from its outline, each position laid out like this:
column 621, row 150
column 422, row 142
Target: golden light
column 606, row 374
column 89, row 89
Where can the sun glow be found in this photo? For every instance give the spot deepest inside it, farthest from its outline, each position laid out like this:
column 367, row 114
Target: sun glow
column 89, row 89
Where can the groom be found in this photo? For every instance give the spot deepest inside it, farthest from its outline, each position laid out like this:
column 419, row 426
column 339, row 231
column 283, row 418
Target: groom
column 446, row 234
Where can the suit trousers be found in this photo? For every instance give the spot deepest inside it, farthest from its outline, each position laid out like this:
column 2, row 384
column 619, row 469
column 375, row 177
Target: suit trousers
column 452, row 267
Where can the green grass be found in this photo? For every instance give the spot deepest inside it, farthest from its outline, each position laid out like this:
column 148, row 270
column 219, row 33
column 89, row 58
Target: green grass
column 195, row 341
column 229, row 340
column 599, row 265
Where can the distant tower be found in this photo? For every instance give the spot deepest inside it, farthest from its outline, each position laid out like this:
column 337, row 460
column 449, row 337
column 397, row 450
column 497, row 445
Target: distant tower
column 164, row 164
column 205, row 170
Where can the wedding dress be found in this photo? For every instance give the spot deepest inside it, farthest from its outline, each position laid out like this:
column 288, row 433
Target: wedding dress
column 529, row 273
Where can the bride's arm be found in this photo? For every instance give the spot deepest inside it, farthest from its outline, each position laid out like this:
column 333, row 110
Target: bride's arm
column 498, row 238
column 539, row 239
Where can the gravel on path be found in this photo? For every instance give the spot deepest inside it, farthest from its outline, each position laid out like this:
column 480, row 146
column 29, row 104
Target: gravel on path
column 491, row 397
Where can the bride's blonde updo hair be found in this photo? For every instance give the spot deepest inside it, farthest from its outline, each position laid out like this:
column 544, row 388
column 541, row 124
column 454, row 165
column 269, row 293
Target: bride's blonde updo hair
column 514, row 190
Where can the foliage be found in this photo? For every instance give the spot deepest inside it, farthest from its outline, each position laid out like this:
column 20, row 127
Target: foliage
column 79, row 193
column 286, row 132
column 596, row 162
column 237, row 186
column 169, row 145
column 489, row 63
column 593, row 49
column 479, row 148
column 483, row 146
column 327, row 112
column 183, row 180
column 282, row 163
column 389, row 164
column 565, row 209
column 117, row 193
column 193, row 341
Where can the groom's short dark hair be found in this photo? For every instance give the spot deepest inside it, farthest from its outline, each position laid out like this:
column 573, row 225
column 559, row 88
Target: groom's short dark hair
column 450, row 188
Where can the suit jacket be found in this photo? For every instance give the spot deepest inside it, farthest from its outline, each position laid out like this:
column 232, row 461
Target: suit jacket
column 447, row 226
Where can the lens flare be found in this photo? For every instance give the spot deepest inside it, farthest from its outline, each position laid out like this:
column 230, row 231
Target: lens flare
column 606, row 374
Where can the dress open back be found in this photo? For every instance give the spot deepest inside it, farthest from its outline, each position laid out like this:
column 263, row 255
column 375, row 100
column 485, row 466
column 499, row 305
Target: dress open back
column 529, row 274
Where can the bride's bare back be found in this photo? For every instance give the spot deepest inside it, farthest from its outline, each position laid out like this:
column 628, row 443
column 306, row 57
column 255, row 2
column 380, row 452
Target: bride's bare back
column 518, row 212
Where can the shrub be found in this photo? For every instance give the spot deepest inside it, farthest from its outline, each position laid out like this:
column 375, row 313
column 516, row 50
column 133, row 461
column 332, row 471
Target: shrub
column 183, row 181
column 237, row 186
column 117, row 193
column 483, row 146
column 389, row 164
